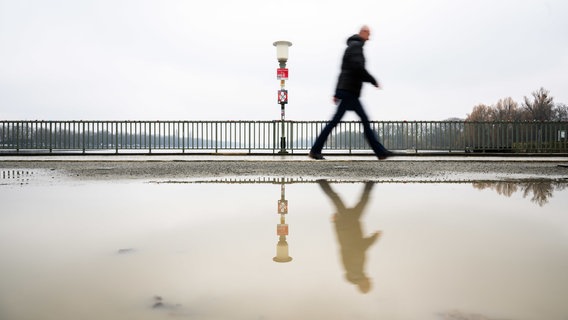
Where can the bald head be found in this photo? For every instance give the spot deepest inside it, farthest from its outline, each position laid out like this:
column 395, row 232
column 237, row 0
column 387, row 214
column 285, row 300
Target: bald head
column 365, row 32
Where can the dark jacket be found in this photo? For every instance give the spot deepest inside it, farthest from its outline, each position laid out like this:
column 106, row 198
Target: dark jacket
column 353, row 72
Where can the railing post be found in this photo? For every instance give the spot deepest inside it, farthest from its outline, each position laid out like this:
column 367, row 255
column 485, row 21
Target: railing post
column 216, row 136
column 274, row 136
column 250, row 125
column 149, row 138
column 416, row 136
column 183, row 136
column 116, row 137
column 291, row 135
column 450, row 142
column 84, row 142
column 18, row 136
column 50, row 136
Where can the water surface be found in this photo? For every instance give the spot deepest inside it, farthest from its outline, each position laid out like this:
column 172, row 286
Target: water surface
column 347, row 250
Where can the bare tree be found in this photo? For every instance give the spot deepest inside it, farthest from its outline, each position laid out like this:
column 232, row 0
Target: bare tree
column 540, row 108
column 481, row 112
column 560, row 112
column 505, row 110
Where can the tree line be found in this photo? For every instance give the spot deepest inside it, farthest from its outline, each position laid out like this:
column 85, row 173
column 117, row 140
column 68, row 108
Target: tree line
column 539, row 107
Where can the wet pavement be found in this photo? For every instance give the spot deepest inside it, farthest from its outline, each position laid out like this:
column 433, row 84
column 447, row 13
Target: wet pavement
column 163, row 168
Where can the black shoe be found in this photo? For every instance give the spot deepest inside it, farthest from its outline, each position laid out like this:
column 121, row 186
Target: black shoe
column 316, row 156
column 385, row 155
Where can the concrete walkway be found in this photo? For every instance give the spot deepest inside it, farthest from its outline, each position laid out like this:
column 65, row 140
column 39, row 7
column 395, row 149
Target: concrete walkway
column 181, row 168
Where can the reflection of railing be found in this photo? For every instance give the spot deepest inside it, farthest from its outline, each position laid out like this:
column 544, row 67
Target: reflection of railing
column 15, row 176
column 402, row 180
column 264, row 136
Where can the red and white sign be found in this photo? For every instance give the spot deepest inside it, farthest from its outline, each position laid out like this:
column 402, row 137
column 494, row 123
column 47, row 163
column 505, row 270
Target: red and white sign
column 282, row 96
column 282, row 74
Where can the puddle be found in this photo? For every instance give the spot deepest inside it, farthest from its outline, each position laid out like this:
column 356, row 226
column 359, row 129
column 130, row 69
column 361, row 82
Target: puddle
column 279, row 248
column 24, row 177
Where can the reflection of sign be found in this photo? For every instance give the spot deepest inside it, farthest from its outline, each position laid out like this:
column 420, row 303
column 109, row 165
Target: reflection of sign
column 282, row 206
column 282, row 96
column 282, row 74
column 282, row 230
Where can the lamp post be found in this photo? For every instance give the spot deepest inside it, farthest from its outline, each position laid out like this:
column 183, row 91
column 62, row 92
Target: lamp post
column 282, row 75
column 282, row 254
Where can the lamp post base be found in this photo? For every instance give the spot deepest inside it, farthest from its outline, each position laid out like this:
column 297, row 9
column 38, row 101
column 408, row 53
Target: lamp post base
column 282, row 146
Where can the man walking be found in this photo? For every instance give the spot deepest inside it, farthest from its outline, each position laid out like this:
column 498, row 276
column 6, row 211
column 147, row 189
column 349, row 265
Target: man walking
column 347, row 92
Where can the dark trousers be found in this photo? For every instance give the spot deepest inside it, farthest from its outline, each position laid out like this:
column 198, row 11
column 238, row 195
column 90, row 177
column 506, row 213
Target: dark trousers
column 348, row 102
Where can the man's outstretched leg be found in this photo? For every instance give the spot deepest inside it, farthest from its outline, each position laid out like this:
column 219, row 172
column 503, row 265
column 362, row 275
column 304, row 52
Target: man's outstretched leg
column 380, row 151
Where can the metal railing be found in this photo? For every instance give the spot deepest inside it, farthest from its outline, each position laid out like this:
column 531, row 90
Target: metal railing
column 265, row 136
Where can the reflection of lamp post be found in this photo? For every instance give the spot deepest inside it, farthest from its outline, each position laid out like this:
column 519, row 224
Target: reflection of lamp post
column 282, row 228
column 282, row 75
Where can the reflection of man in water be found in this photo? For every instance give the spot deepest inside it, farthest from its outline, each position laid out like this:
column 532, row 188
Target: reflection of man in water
column 350, row 236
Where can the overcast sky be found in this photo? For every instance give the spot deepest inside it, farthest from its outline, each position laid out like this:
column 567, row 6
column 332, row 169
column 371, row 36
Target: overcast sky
column 214, row 60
